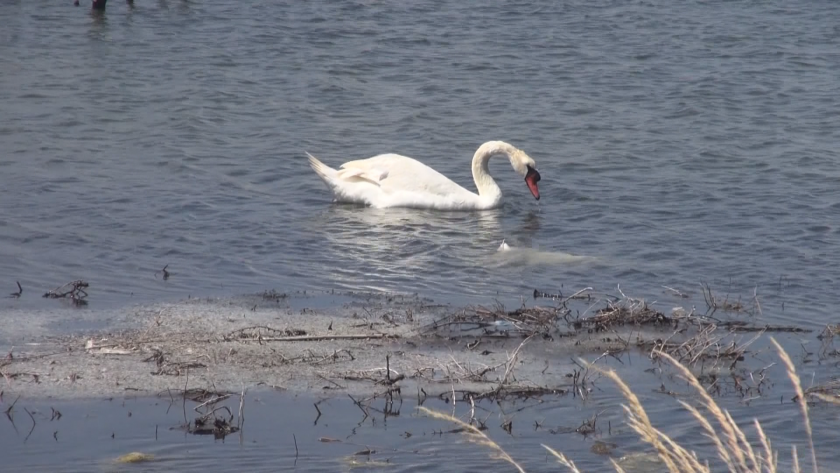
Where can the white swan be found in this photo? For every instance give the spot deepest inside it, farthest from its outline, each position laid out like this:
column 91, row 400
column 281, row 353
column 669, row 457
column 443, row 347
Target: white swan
column 391, row 180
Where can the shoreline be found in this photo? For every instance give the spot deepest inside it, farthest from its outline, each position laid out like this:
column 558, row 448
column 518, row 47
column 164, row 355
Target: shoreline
column 207, row 357
column 359, row 344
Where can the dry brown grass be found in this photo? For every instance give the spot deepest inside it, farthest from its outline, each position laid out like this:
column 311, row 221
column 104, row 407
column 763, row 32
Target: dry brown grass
column 731, row 443
column 803, row 401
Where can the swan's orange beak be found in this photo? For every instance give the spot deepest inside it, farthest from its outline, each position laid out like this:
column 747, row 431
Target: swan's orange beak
column 532, row 178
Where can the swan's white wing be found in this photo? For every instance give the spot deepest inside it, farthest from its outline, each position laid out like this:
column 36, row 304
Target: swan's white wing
column 405, row 174
column 372, row 175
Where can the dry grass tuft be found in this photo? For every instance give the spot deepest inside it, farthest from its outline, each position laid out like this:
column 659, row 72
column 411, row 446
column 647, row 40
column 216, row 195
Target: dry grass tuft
column 733, row 448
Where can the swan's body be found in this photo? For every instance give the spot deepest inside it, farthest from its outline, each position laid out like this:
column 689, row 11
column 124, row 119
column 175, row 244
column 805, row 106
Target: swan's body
column 391, row 180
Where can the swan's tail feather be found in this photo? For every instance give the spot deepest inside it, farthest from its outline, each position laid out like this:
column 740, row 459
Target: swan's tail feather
column 323, row 171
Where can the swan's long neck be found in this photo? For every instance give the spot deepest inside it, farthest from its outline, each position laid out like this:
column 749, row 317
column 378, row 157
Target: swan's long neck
column 487, row 187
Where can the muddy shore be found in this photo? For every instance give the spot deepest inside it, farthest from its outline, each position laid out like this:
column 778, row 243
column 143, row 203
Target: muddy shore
column 216, row 357
column 273, row 341
column 359, row 344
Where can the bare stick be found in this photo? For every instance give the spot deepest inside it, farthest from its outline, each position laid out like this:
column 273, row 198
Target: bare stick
column 211, row 401
column 19, row 293
column 512, row 360
column 618, row 287
column 164, row 272
column 9, row 410
column 577, row 294
column 330, row 381
column 33, row 425
column 241, row 417
column 358, row 404
column 185, row 398
column 677, row 292
column 295, row 439
column 206, row 417
column 316, row 338
column 76, row 292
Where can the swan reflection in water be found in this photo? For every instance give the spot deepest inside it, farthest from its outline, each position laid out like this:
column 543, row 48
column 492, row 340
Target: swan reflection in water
column 378, row 248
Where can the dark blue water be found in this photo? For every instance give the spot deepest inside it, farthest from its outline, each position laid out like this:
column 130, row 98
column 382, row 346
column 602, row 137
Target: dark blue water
column 677, row 144
column 90, row 435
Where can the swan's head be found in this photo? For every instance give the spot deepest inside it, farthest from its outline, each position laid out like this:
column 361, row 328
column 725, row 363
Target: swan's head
column 527, row 167
column 521, row 162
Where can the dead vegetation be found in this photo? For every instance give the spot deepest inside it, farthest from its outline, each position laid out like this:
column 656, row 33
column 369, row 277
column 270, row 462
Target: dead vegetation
column 622, row 312
column 713, row 346
column 735, row 452
column 164, row 273
column 484, row 351
column 19, row 292
column 73, row 290
column 214, row 416
column 602, row 313
column 479, row 351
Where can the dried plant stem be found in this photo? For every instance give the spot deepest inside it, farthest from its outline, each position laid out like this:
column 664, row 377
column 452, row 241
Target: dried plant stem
column 732, row 448
column 768, row 450
column 639, row 421
column 826, row 398
column 618, row 468
column 803, row 402
column 317, row 338
column 474, row 435
column 731, row 443
column 512, row 360
column 241, row 405
column 565, row 461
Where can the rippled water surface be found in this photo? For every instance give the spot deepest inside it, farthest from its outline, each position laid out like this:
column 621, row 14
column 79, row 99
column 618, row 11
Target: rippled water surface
column 677, row 142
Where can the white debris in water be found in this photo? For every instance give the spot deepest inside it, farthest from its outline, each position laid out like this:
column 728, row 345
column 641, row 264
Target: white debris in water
column 523, row 256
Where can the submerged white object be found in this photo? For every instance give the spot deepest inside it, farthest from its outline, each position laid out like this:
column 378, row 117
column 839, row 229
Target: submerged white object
column 392, row 180
column 523, row 256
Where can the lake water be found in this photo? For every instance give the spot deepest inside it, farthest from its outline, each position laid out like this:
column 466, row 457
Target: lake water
column 678, row 144
column 90, row 435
